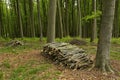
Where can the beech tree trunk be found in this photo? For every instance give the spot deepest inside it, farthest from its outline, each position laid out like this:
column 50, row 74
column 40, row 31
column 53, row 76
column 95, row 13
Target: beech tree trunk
column 79, row 19
column 51, row 21
column 103, row 49
column 60, row 16
column 94, row 27
column 31, row 18
column 116, row 20
column 67, row 17
column 39, row 19
column 0, row 19
column 19, row 19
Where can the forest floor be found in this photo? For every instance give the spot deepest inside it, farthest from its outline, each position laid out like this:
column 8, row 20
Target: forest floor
column 27, row 63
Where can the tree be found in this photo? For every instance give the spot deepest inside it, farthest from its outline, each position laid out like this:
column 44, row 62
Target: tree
column 25, row 25
column 39, row 19
column 67, row 3
column 103, row 49
column 116, row 20
column 79, row 19
column 60, row 16
column 51, row 21
column 0, row 18
column 94, row 27
column 31, row 18
column 19, row 19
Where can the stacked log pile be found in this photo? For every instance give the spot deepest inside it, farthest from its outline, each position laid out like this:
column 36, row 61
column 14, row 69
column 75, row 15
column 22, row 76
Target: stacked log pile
column 14, row 43
column 67, row 55
column 77, row 42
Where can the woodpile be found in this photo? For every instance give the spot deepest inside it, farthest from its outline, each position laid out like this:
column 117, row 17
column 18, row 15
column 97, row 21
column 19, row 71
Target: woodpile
column 67, row 55
column 14, row 43
column 77, row 42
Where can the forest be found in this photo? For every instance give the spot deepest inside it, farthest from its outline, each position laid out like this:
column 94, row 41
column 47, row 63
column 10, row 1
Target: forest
column 35, row 33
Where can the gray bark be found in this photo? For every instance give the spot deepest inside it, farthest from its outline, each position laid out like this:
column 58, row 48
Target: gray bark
column 51, row 21
column 103, row 49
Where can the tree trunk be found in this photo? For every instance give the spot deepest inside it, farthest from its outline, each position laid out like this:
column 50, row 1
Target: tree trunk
column 79, row 19
column 8, row 34
column 19, row 18
column 116, row 20
column 103, row 49
column 0, row 19
column 60, row 17
column 26, row 32
column 31, row 18
column 39, row 19
column 94, row 27
column 67, row 17
column 51, row 21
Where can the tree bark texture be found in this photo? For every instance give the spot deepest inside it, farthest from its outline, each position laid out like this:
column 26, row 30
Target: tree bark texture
column 103, row 49
column 51, row 21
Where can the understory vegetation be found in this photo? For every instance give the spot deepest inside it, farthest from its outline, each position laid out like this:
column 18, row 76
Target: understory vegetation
column 26, row 63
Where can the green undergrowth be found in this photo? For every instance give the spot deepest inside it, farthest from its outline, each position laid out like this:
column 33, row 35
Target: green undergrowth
column 29, row 44
column 25, row 72
column 115, row 41
column 35, row 43
column 32, row 69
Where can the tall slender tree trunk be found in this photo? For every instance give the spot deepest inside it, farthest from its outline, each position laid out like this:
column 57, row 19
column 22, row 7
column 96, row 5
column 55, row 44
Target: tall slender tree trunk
column 39, row 19
column 73, row 17
column 8, row 22
column 19, row 18
column 63, row 17
column 0, row 19
column 103, row 49
column 45, row 20
column 60, row 17
column 116, row 20
column 79, row 19
column 67, row 17
column 16, row 28
column 51, row 21
column 26, row 32
column 84, row 12
column 31, row 18
column 94, row 27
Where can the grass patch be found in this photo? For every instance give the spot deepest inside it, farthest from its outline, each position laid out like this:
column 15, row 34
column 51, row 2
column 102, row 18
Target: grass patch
column 115, row 55
column 34, row 69
column 46, row 76
column 6, row 64
column 25, row 72
column 65, row 39
column 14, row 50
column 1, row 75
column 115, row 41
column 30, row 44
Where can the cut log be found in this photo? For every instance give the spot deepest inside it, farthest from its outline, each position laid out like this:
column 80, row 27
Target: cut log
column 67, row 55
